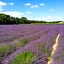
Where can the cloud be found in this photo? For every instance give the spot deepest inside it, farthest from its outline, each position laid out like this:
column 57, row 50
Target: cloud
column 29, row 12
column 53, row 18
column 2, row 4
column 34, row 18
column 51, row 10
column 11, row 3
column 34, row 6
column 28, row 4
column 47, row 18
column 42, row 4
column 13, row 13
column 1, row 9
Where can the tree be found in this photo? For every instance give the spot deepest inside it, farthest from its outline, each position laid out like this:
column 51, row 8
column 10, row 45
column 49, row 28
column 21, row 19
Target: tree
column 17, row 20
column 2, row 18
column 23, row 20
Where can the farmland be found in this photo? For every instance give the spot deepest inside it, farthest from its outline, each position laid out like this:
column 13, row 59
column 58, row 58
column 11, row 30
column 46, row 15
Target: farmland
column 32, row 44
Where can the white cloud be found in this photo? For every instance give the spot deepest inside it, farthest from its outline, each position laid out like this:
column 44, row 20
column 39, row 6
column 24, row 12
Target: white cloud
column 51, row 10
column 2, row 4
column 29, row 12
column 28, row 4
column 47, row 18
column 34, row 18
column 53, row 18
column 11, row 3
column 1, row 9
column 34, row 6
column 42, row 4
column 13, row 13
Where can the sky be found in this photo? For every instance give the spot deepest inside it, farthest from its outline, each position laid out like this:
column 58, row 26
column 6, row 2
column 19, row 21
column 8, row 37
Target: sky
column 48, row 10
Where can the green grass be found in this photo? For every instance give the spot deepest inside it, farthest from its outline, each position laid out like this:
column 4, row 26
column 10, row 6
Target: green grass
column 7, row 49
column 4, row 50
column 23, row 58
column 23, row 42
column 19, row 44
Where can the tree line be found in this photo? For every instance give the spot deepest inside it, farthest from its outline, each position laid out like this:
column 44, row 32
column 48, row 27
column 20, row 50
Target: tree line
column 7, row 19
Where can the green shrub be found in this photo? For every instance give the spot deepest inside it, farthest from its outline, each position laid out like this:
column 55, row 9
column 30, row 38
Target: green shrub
column 23, row 58
column 23, row 42
column 4, row 50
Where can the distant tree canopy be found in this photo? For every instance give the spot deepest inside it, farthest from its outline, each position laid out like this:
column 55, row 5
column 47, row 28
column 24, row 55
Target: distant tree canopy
column 23, row 20
column 7, row 19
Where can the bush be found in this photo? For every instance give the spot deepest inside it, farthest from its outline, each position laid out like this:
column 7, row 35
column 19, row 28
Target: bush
column 4, row 50
column 25, row 57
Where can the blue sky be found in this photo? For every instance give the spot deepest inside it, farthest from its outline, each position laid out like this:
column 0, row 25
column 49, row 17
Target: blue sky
column 49, row 10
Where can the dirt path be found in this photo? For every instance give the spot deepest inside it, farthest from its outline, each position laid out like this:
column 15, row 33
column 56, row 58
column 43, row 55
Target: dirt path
column 54, row 50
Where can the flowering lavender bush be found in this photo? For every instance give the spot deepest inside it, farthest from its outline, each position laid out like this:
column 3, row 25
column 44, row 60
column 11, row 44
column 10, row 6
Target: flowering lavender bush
column 39, row 39
column 57, row 56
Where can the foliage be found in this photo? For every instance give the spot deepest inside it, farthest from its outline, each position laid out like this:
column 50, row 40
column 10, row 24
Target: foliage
column 7, row 19
column 4, row 50
column 25, row 57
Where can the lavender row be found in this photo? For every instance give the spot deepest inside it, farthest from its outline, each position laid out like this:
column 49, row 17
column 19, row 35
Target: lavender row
column 29, row 38
column 45, row 40
column 58, row 56
column 40, row 27
column 10, row 36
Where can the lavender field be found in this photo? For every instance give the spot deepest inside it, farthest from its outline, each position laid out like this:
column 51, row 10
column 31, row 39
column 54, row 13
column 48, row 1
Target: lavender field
column 32, row 44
